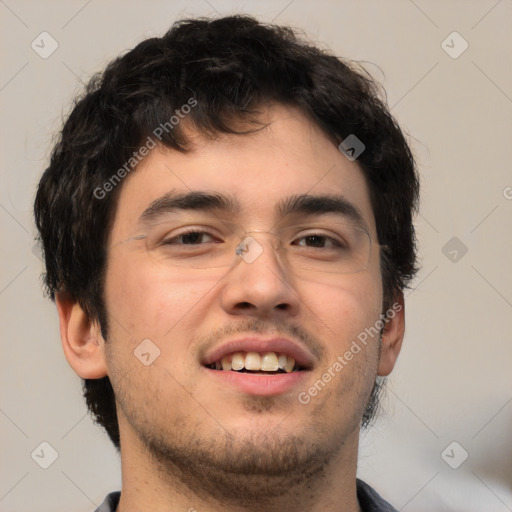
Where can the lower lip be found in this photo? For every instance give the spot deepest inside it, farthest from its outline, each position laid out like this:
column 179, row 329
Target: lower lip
column 260, row 385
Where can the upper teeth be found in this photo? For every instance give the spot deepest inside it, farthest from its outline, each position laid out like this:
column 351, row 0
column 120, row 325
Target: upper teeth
column 266, row 361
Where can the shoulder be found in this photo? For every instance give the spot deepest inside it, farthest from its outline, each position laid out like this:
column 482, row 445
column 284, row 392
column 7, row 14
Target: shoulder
column 110, row 503
column 370, row 500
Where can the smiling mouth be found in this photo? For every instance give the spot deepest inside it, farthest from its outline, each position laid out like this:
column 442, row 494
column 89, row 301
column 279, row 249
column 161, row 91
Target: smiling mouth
column 264, row 363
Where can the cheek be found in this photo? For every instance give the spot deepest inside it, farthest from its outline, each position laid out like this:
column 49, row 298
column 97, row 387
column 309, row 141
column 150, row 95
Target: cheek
column 345, row 308
column 144, row 302
column 148, row 301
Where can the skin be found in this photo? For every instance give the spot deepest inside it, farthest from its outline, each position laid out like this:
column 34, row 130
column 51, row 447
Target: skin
column 186, row 441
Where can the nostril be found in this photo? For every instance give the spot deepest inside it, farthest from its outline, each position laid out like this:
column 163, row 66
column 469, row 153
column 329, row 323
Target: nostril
column 245, row 305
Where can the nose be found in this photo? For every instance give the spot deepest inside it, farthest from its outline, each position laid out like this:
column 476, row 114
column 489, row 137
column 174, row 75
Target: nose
column 259, row 284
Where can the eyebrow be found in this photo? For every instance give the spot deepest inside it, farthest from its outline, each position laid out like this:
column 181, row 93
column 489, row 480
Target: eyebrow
column 321, row 204
column 201, row 201
column 305, row 204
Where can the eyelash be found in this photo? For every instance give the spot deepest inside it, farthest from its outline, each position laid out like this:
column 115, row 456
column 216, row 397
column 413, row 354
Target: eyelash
column 172, row 240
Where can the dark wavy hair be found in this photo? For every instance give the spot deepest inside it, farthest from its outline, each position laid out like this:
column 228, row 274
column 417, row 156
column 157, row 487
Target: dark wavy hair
column 231, row 67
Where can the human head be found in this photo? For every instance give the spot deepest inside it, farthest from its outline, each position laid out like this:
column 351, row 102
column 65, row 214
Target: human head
column 225, row 70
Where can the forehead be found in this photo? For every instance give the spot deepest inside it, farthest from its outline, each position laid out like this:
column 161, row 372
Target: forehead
column 290, row 157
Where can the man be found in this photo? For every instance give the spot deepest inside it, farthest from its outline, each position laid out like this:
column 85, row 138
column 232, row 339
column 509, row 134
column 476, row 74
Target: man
column 227, row 227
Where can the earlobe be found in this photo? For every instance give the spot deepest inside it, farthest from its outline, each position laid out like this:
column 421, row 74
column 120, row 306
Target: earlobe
column 81, row 338
column 392, row 335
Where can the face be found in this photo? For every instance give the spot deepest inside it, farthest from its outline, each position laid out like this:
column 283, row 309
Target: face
column 172, row 398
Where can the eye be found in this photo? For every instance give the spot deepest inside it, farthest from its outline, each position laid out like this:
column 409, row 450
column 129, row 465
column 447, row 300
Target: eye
column 195, row 237
column 318, row 241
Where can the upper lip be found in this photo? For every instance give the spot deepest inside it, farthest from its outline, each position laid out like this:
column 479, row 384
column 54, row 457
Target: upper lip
column 279, row 345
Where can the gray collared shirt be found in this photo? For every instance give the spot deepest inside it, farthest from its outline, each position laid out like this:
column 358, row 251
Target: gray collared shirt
column 369, row 500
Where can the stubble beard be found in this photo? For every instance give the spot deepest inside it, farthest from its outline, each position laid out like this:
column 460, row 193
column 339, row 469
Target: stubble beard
column 245, row 469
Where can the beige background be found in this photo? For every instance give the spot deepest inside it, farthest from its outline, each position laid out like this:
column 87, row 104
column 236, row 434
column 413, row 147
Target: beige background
column 453, row 380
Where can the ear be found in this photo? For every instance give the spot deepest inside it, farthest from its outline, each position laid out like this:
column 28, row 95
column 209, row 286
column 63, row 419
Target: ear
column 81, row 338
column 392, row 335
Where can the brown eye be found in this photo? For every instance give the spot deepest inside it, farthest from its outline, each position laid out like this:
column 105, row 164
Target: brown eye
column 318, row 241
column 190, row 238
